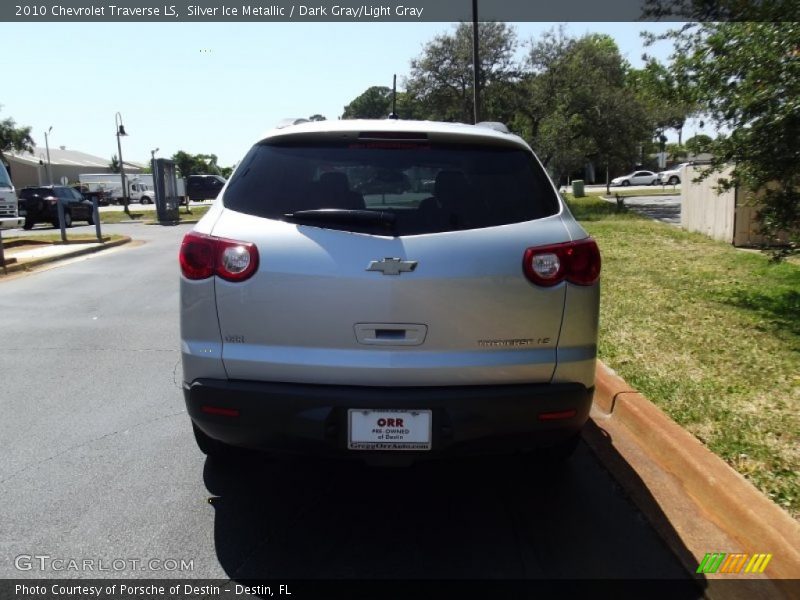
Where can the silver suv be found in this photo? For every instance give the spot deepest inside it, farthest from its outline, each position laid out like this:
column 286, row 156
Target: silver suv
column 389, row 289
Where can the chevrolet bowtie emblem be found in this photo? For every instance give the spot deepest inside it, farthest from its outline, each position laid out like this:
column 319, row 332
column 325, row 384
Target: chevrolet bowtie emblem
column 392, row 266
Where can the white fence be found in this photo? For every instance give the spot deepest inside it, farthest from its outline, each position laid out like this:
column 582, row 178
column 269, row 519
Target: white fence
column 729, row 217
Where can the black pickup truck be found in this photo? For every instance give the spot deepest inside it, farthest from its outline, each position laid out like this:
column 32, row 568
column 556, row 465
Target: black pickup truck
column 103, row 197
column 203, row 187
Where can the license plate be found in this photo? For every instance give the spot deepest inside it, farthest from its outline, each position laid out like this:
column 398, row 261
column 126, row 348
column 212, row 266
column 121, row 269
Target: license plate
column 388, row 429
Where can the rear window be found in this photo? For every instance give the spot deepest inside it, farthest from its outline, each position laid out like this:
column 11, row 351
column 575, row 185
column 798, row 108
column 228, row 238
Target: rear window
column 427, row 187
column 31, row 192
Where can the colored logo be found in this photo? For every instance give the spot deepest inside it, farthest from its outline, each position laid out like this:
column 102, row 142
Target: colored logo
column 720, row 562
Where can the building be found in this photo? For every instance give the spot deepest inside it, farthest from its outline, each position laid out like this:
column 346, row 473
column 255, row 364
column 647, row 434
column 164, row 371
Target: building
column 32, row 168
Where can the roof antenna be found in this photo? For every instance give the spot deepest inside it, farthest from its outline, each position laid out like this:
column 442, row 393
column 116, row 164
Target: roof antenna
column 393, row 114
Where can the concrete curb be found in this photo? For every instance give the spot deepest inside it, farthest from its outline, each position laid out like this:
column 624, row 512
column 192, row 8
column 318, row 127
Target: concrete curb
column 23, row 266
column 723, row 496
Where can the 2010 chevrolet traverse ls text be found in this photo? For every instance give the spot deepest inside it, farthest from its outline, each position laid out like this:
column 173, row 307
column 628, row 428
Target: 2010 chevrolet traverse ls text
column 392, row 289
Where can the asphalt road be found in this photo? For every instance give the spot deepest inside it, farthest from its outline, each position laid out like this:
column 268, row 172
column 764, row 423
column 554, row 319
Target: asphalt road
column 666, row 209
column 99, row 463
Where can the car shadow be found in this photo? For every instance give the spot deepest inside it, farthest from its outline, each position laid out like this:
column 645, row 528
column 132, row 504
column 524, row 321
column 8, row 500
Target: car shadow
column 487, row 518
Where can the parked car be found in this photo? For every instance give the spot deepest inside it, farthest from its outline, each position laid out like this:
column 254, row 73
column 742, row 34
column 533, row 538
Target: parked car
column 203, row 187
column 389, row 325
column 38, row 204
column 636, row 178
column 671, row 176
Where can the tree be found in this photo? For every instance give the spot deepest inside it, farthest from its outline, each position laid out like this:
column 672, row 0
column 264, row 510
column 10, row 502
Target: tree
column 746, row 78
column 698, row 144
column 575, row 104
column 374, row 103
column 114, row 164
column 719, row 10
column 13, row 138
column 667, row 100
column 676, row 151
column 317, row 117
column 441, row 81
column 195, row 164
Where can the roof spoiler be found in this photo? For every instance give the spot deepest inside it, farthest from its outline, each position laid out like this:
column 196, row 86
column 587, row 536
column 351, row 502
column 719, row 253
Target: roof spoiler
column 496, row 125
column 289, row 122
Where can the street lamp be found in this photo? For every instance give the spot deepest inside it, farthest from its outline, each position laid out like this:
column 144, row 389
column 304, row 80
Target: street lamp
column 47, row 147
column 153, row 154
column 39, row 167
column 120, row 132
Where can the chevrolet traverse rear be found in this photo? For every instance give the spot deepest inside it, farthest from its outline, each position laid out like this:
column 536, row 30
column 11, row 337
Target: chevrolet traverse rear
column 389, row 288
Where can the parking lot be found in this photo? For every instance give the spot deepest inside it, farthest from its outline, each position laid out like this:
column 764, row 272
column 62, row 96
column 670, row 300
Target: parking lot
column 99, row 462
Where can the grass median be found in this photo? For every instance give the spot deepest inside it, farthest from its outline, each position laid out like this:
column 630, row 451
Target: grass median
column 55, row 238
column 709, row 333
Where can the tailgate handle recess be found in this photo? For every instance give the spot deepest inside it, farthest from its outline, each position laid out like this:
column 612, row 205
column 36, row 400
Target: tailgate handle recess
column 391, row 334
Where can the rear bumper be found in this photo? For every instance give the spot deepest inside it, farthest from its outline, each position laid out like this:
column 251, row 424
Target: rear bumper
column 38, row 213
column 312, row 419
column 11, row 222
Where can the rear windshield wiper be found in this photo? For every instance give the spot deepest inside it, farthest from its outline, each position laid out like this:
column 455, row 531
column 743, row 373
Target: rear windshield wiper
column 341, row 216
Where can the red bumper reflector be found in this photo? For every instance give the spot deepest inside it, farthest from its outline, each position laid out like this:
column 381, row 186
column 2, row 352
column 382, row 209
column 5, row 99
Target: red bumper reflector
column 217, row 410
column 555, row 416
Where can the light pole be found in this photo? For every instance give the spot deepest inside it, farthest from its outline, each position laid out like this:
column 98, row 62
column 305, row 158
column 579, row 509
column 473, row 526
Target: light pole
column 39, row 167
column 47, row 147
column 153, row 161
column 120, row 132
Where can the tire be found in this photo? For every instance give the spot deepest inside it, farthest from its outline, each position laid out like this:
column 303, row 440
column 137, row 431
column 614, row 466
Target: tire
column 211, row 447
column 90, row 220
column 67, row 219
column 146, row 200
column 626, row 183
column 674, row 180
column 29, row 223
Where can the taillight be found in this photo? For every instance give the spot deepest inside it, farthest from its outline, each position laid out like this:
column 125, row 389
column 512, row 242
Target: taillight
column 576, row 262
column 197, row 256
column 51, row 199
column 202, row 256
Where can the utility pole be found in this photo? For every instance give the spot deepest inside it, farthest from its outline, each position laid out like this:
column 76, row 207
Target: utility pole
column 120, row 132
column 47, row 146
column 476, row 69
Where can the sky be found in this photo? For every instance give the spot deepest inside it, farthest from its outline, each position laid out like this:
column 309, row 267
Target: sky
column 214, row 87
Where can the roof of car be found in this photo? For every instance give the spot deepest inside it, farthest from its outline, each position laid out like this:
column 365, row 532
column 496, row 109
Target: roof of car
column 441, row 131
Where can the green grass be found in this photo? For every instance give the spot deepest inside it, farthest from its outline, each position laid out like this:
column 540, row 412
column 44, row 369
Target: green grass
column 148, row 215
column 709, row 333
